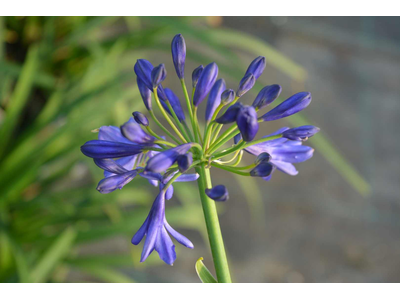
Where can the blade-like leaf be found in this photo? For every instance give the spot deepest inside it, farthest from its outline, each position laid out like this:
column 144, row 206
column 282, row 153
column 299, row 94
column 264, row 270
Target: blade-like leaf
column 57, row 251
column 203, row 273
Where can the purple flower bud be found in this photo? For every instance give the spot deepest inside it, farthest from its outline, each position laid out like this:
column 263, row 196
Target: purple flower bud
column 245, row 85
column 266, row 96
column 109, row 149
column 145, row 93
column 196, row 75
column 262, row 170
column 218, row 193
column 205, row 83
column 227, row 96
column 175, row 103
column 214, row 99
column 133, row 132
column 184, row 162
column 143, row 70
column 301, row 133
column 178, row 49
column 158, row 75
column 109, row 184
column 237, row 138
column 163, row 160
column 290, row 106
column 230, row 115
column 247, row 122
column 263, row 158
column 256, row 67
column 140, row 118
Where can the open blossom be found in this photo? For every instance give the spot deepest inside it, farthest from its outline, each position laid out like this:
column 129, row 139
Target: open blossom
column 135, row 150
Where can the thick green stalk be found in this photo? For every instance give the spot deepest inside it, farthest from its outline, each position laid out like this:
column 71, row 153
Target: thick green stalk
column 213, row 228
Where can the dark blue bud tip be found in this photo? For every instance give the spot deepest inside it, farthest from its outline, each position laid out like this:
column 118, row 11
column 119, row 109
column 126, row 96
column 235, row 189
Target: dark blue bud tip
column 178, row 49
column 196, row 75
column 158, row 75
column 263, row 158
column 140, row 118
column 262, row 170
column 227, row 96
column 245, row 84
column 184, row 162
column 218, row 193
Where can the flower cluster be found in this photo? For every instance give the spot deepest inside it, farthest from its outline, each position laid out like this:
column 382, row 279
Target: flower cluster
column 134, row 149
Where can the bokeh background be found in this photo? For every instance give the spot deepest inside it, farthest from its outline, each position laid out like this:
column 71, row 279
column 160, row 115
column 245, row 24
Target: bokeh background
column 337, row 221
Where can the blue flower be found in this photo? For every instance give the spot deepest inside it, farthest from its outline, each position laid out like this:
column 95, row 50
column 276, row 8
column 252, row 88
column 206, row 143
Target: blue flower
column 256, row 67
column 196, row 75
column 156, row 229
column 245, row 85
column 214, row 99
column 230, row 115
column 266, row 96
column 227, row 96
column 247, row 122
column 301, row 133
column 218, row 193
column 163, row 160
column 175, row 103
column 178, row 49
column 290, row 106
column 158, row 75
column 145, row 93
column 205, row 83
column 284, row 153
column 140, row 118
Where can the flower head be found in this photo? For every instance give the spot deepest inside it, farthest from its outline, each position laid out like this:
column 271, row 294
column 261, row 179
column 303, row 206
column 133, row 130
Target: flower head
column 128, row 152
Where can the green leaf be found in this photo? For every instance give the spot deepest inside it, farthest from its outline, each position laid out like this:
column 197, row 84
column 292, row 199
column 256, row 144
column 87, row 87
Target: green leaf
column 19, row 98
column 104, row 273
column 203, row 273
column 57, row 251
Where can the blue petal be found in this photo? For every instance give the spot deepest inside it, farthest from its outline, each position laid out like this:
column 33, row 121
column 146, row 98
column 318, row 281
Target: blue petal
column 143, row 70
column 196, row 75
column 175, row 103
column 230, row 115
column 145, row 93
column 218, row 193
column 113, row 134
column 158, row 75
column 247, row 122
column 110, row 165
column 214, row 99
column 285, row 167
column 245, row 85
column 132, row 131
column 256, row 67
column 110, row 184
column 178, row 49
column 162, row 161
column 292, row 154
column 205, row 83
column 139, row 235
column 165, row 247
column 126, row 162
column 179, row 237
column 187, row 177
column 107, row 149
column 266, row 96
column 290, row 106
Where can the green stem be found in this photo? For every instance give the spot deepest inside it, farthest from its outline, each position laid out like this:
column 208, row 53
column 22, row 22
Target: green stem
column 167, row 117
column 183, row 131
column 188, row 131
column 163, row 142
column 189, row 105
column 230, row 169
column 162, row 127
column 213, row 227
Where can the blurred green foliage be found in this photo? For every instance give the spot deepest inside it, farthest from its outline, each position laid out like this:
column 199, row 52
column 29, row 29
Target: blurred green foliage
column 61, row 77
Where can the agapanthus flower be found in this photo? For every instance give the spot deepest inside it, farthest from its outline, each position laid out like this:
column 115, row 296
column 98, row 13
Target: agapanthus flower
column 284, row 153
column 156, row 229
column 135, row 150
